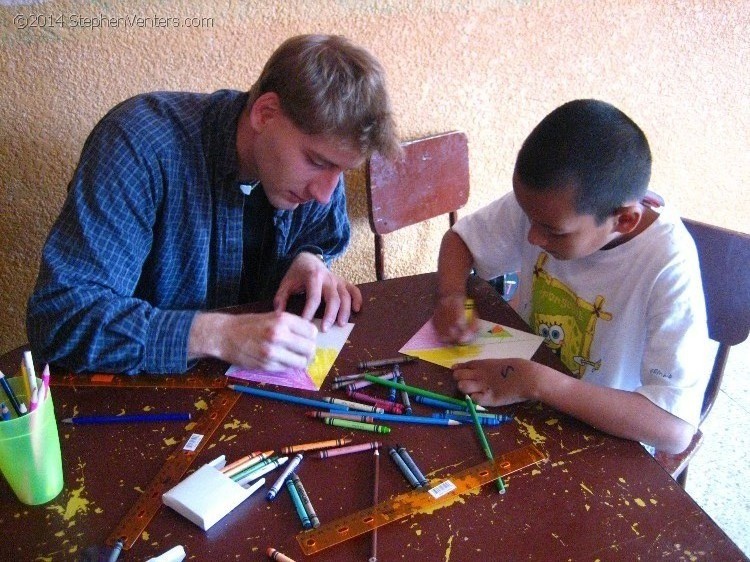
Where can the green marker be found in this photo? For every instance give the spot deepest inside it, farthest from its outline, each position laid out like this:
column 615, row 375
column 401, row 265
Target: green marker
column 358, row 425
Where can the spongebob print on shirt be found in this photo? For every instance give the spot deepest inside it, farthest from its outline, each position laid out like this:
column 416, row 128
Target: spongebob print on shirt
column 565, row 321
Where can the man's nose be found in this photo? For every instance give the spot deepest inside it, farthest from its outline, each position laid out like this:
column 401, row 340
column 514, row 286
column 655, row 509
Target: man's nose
column 323, row 186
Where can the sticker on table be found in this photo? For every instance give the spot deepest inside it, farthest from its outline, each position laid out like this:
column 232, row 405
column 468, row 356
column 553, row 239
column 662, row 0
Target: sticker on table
column 493, row 341
column 329, row 343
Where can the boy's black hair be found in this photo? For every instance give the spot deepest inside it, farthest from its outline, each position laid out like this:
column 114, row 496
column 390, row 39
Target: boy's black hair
column 593, row 147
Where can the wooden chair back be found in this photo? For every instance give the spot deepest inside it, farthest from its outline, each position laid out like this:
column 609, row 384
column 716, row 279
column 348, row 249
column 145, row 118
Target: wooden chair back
column 431, row 179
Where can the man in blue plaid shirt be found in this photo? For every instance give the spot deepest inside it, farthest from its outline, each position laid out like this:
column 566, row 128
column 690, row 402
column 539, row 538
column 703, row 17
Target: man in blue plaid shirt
column 185, row 203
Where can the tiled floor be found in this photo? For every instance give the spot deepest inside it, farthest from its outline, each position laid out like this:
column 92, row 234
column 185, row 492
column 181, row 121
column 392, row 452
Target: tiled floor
column 720, row 472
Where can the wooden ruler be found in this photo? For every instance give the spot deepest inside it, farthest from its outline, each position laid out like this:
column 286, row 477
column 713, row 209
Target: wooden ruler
column 174, row 468
column 439, row 494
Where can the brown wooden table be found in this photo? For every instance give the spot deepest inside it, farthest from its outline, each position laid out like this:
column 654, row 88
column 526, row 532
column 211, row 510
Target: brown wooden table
column 597, row 498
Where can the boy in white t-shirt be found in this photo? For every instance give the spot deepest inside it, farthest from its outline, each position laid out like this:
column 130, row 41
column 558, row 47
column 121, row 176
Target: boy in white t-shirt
column 613, row 285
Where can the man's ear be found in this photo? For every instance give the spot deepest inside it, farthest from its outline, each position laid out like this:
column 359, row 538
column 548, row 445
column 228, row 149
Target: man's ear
column 627, row 218
column 264, row 110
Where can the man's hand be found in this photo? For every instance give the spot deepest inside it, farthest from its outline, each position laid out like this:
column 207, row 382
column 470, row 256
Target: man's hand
column 273, row 341
column 308, row 274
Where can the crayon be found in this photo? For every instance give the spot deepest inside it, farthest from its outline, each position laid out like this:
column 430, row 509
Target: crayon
column 357, row 376
column 246, row 462
column 256, row 471
column 397, row 418
column 353, row 405
column 305, row 500
column 364, row 384
column 403, row 468
column 348, row 449
column 376, row 363
column 403, row 453
column 301, row 513
column 289, row 449
column 271, row 495
column 404, row 395
column 358, row 425
column 274, row 554
column 387, row 406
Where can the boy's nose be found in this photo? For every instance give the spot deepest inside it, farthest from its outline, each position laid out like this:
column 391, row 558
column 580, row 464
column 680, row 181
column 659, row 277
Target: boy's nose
column 535, row 236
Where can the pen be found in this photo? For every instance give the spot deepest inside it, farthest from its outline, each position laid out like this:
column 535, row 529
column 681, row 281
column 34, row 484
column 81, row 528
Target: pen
column 285, row 397
column 129, row 418
column 483, row 440
column 17, row 406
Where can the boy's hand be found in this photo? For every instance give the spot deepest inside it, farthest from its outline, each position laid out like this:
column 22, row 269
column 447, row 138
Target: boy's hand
column 451, row 322
column 497, row 382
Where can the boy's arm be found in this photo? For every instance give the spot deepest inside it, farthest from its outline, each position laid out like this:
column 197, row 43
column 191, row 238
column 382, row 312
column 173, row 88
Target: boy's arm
column 618, row 412
column 454, row 265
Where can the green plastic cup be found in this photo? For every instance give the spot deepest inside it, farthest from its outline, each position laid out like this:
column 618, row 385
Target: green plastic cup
column 30, row 458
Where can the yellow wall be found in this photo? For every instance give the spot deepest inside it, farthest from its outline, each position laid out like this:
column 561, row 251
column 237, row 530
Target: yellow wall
column 491, row 68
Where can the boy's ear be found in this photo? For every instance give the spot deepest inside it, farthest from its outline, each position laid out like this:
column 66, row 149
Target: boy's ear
column 627, row 218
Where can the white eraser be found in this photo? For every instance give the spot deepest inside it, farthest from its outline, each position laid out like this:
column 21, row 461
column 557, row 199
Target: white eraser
column 206, row 496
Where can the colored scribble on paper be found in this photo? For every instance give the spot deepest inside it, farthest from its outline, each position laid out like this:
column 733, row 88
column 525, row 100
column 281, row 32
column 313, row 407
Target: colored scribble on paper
column 329, row 345
column 493, row 341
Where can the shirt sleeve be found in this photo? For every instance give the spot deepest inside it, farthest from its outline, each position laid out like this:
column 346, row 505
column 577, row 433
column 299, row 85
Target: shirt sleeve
column 82, row 313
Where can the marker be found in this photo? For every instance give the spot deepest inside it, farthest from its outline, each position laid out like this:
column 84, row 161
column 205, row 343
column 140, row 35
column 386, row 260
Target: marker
column 433, row 403
column 129, row 418
column 483, row 440
column 17, row 406
column 288, row 450
column 403, row 468
column 404, row 454
column 358, row 425
column 415, row 390
column 274, row 554
column 271, row 495
column 348, row 450
column 376, row 363
column 301, row 513
column 285, row 397
column 4, row 411
column 305, row 500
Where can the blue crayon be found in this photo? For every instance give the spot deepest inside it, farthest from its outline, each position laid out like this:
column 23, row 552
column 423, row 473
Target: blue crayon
column 412, row 465
column 306, row 523
column 408, row 474
column 286, row 397
column 465, row 418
